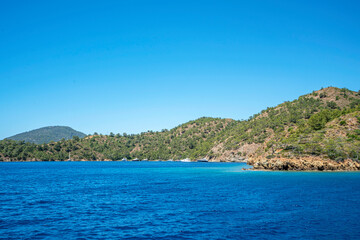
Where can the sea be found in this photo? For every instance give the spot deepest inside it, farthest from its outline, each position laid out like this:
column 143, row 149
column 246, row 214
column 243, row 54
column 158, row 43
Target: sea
column 174, row 200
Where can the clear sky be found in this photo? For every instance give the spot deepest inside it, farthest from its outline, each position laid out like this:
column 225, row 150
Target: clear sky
column 133, row 66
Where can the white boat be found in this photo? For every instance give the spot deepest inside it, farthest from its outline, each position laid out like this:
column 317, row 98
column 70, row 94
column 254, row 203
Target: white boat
column 136, row 160
column 124, row 160
column 145, row 160
column 185, row 160
column 170, row 160
column 203, row 160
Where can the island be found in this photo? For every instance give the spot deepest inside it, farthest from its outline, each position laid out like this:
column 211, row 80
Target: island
column 319, row 131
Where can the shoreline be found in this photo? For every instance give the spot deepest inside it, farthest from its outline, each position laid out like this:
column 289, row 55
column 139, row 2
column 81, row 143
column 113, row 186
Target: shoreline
column 310, row 171
column 243, row 169
column 306, row 163
column 119, row 161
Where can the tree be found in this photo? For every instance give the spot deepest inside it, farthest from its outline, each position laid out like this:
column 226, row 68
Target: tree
column 76, row 138
column 331, row 105
column 318, row 121
column 57, row 147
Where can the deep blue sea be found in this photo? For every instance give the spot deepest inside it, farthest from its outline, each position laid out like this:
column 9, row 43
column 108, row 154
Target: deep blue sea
column 172, row 200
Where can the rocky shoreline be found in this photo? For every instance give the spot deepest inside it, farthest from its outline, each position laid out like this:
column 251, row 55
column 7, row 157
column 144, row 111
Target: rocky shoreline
column 304, row 164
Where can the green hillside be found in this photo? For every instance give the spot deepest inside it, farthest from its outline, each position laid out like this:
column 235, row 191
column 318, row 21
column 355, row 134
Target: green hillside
column 323, row 124
column 47, row 134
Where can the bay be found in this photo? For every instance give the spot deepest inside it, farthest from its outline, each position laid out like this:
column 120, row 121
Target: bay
column 172, row 200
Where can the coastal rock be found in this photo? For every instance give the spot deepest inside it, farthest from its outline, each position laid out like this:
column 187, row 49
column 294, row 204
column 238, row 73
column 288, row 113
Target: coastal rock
column 304, row 164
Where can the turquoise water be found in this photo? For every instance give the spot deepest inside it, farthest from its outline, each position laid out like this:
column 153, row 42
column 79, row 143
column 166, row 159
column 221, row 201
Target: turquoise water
column 171, row 200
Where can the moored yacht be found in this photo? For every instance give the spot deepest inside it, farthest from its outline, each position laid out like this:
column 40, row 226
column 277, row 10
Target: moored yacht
column 185, row 160
column 203, row 160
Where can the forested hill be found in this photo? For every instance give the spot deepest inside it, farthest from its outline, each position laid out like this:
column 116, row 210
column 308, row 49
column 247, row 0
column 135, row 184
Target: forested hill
column 47, row 134
column 323, row 124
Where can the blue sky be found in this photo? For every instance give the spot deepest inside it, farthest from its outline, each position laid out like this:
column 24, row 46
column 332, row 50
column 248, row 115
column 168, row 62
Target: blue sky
column 133, row 66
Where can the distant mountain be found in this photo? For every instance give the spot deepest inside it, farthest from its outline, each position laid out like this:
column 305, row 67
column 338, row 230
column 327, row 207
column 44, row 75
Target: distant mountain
column 47, row 134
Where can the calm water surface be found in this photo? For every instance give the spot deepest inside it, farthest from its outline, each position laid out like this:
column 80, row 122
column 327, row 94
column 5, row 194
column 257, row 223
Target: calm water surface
column 170, row 200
